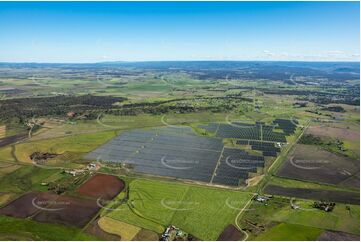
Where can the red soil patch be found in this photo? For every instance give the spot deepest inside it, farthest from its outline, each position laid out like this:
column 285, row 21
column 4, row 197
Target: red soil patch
column 101, row 185
column 69, row 211
column 230, row 233
column 28, row 204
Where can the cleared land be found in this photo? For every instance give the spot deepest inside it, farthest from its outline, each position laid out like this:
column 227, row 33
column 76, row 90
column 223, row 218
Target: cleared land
column 337, row 236
column 312, row 163
column 230, row 233
column 69, row 211
column 334, row 132
column 125, row 231
column 102, row 186
column 316, row 194
column 95, row 230
column 146, row 235
column 346, row 132
column 47, row 207
column 26, row 205
column 12, row 139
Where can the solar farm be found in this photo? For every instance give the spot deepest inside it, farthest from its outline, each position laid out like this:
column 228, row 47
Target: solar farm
column 257, row 131
column 178, row 152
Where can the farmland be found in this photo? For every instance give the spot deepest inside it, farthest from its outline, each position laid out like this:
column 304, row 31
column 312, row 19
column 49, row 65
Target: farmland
column 123, row 151
column 20, row 229
column 154, row 204
column 278, row 215
column 314, row 164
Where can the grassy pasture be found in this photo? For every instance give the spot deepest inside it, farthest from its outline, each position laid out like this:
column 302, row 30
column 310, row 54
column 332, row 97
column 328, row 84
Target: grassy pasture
column 23, row 229
column 71, row 147
column 196, row 118
column 26, row 178
column 155, row 204
column 278, row 211
column 6, row 168
column 347, row 132
column 6, row 155
column 340, row 219
column 285, row 231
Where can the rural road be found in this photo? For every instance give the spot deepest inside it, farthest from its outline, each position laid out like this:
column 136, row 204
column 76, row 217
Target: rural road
column 238, row 216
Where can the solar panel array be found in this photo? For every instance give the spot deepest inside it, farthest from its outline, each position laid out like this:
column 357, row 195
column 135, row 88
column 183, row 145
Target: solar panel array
column 242, row 142
column 178, row 152
column 164, row 152
column 235, row 166
column 237, row 130
column 267, row 148
column 269, row 135
column 286, row 125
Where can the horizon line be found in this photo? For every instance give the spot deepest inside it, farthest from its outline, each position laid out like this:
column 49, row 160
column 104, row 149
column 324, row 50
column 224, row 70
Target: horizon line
column 142, row 61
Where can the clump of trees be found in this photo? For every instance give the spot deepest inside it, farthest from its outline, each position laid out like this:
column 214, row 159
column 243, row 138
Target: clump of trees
column 338, row 109
column 309, row 139
column 25, row 108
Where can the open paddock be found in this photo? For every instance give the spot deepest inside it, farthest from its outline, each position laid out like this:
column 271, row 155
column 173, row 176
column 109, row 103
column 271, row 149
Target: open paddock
column 335, row 131
column 27, row 204
column 102, row 186
column 315, row 194
column 95, row 230
column 337, row 236
column 69, row 211
column 311, row 163
column 201, row 211
column 230, row 233
column 12, row 139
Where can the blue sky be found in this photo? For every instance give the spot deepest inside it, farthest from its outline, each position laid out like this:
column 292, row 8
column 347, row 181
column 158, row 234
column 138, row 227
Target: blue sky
column 138, row 31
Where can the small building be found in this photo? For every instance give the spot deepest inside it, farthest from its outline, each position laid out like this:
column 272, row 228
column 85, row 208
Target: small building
column 74, row 172
column 173, row 233
column 261, row 199
column 92, row 166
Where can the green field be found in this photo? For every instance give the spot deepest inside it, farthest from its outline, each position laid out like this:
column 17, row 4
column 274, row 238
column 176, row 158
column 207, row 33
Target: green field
column 23, row 229
column 70, row 148
column 26, row 178
column 278, row 211
column 285, row 231
column 203, row 212
column 340, row 219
